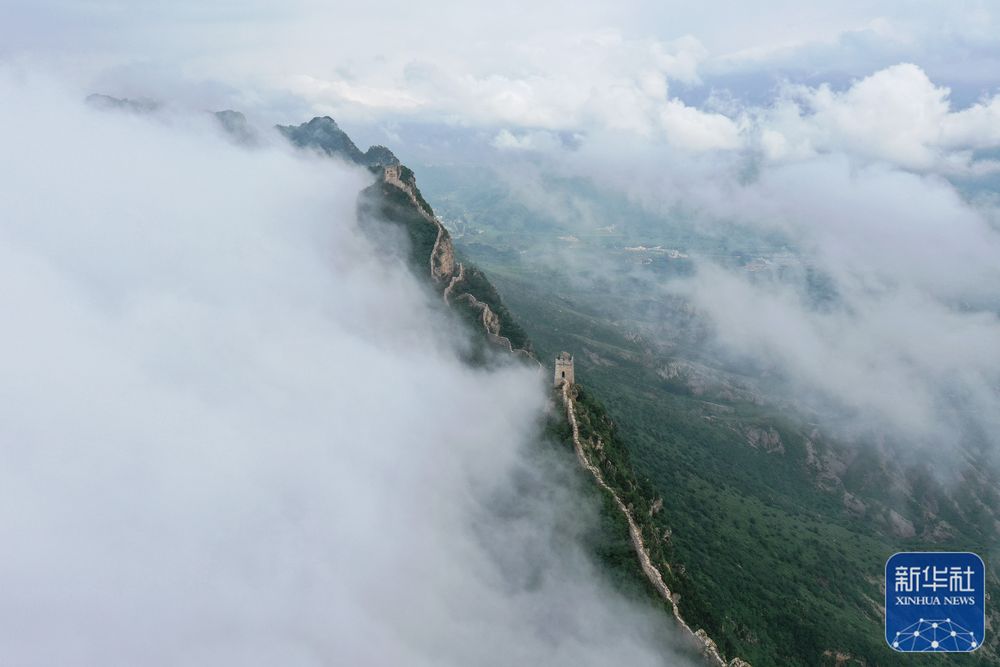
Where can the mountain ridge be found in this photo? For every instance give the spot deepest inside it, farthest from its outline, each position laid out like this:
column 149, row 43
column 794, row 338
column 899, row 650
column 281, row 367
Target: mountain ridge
column 323, row 133
column 395, row 198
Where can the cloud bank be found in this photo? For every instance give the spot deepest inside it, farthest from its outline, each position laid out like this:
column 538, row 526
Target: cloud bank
column 659, row 70
column 875, row 302
column 233, row 435
column 907, row 330
column 894, row 115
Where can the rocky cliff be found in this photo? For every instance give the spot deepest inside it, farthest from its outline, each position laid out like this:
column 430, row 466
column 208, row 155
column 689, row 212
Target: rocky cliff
column 394, row 199
column 323, row 134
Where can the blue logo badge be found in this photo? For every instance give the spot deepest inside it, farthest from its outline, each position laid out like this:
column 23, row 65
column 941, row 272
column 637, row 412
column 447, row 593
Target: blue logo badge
column 935, row 601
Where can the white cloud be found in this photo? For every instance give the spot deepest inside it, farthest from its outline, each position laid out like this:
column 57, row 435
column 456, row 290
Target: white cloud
column 881, row 312
column 908, row 338
column 680, row 59
column 896, row 114
column 586, row 67
column 390, row 99
column 233, row 435
column 689, row 128
column 895, row 361
column 526, row 141
column 977, row 126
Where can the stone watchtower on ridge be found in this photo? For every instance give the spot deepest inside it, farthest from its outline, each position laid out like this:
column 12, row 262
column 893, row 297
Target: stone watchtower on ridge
column 564, row 369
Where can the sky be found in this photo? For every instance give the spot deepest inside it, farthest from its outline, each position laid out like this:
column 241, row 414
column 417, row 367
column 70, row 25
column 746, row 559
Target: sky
column 908, row 83
column 579, row 65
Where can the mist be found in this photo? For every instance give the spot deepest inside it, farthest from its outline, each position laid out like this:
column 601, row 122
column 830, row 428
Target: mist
column 907, row 339
column 902, row 339
column 234, row 434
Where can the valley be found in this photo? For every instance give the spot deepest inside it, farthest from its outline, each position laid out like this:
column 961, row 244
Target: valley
column 777, row 531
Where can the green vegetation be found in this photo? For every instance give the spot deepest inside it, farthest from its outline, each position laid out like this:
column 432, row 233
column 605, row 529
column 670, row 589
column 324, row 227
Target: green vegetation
column 385, row 203
column 476, row 284
column 324, row 134
column 380, row 203
column 605, row 449
column 763, row 551
column 775, row 551
column 608, row 539
column 606, row 536
column 406, row 175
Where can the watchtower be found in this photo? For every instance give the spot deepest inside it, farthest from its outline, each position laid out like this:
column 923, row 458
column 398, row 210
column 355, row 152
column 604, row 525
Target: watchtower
column 564, row 369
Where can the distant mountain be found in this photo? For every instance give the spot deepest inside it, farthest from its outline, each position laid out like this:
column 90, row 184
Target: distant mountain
column 236, row 125
column 324, row 134
column 123, row 104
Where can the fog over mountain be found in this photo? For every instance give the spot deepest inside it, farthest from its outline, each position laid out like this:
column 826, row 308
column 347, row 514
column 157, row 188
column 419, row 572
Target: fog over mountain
column 233, row 434
column 238, row 429
column 905, row 337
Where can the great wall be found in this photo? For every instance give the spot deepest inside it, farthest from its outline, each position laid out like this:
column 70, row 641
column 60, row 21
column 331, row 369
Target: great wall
column 566, row 384
column 444, row 267
column 442, row 259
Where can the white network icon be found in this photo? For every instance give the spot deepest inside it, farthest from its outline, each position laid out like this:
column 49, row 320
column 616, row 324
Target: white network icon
column 935, row 635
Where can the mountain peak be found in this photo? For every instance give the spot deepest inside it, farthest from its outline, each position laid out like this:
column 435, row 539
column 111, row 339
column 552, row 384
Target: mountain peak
column 323, row 121
column 380, row 156
column 323, row 133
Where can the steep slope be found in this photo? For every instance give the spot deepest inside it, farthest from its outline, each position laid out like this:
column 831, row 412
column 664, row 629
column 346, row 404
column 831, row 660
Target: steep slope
column 323, row 134
column 598, row 451
column 395, row 199
column 627, row 538
column 777, row 541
